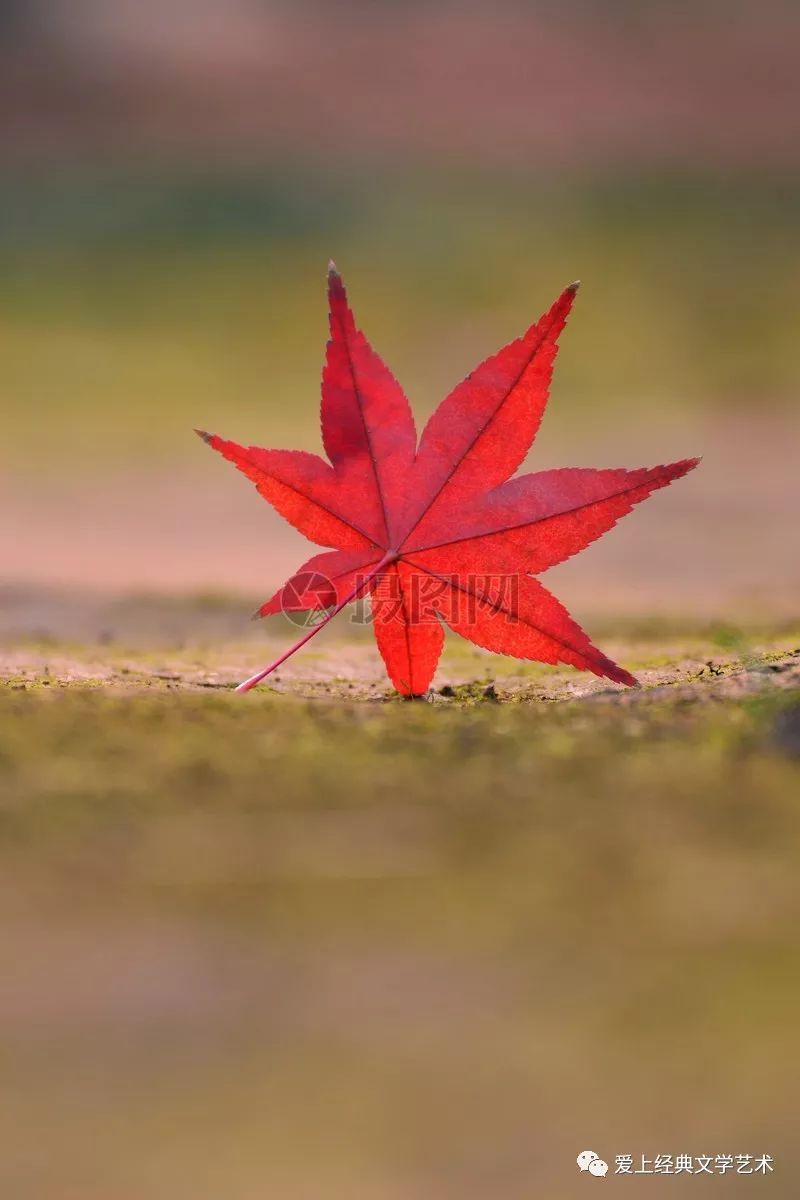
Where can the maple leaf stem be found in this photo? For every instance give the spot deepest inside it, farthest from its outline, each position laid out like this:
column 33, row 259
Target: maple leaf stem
column 352, row 595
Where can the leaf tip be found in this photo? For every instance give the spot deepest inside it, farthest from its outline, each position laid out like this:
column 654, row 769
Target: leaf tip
column 573, row 287
column 619, row 675
column 333, row 270
column 207, row 437
column 685, row 465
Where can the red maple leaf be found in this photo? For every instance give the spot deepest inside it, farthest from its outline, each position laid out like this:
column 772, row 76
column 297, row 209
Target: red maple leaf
column 439, row 532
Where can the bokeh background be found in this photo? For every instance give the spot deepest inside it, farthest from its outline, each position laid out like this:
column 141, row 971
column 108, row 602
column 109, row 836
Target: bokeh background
column 176, row 176
column 419, row 992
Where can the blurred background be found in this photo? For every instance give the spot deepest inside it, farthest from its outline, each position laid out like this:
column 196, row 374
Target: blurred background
column 241, row 960
column 176, row 174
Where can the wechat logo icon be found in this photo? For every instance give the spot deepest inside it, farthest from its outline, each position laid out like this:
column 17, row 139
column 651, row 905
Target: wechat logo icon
column 588, row 1161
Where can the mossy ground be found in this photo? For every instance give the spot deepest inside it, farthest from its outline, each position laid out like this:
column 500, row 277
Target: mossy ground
column 318, row 941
